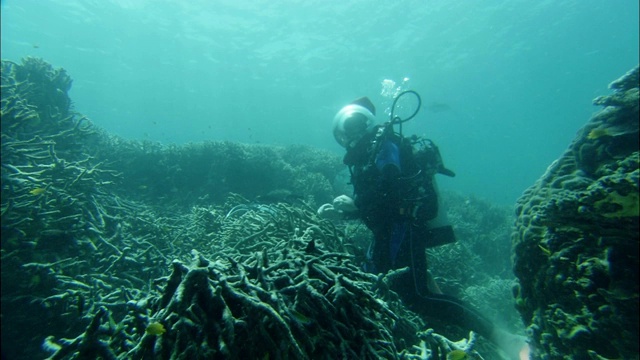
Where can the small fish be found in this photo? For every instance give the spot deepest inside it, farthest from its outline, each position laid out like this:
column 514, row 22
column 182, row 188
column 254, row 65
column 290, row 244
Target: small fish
column 596, row 133
column 299, row 317
column 545, row 250
column 458, row 355
column 437, row 107
column 611, row 131
column 37, row 191
column 155, row 328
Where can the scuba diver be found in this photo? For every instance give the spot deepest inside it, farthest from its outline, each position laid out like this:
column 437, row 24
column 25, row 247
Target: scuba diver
column 396, row 196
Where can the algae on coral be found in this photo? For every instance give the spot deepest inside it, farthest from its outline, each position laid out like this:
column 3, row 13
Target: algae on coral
column 584, row 212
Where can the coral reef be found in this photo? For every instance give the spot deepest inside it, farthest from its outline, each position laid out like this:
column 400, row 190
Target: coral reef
column 477, row 267
column 205, row 172
column 131, row 249
column 576, row 239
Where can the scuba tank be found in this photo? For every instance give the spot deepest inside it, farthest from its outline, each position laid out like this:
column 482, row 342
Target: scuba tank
column 440, row 229
column 427, row 155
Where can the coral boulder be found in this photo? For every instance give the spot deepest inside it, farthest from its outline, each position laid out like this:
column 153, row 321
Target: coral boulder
column 576, row 239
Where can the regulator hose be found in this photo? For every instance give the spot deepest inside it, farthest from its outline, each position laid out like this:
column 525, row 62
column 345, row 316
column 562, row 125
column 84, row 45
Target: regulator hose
column 397, row 119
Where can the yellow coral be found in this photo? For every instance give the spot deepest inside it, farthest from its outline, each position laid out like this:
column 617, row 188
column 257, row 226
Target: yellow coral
column 457, row 355
column 155, row 328
column 545, row 250
column 612, row 131
column 597, row 133
column 37, row 191
column 628, row 204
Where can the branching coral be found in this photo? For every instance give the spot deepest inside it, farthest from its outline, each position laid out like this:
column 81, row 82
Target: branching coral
column 98, row 232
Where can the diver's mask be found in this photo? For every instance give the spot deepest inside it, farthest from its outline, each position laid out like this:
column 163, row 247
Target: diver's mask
column 353, row 121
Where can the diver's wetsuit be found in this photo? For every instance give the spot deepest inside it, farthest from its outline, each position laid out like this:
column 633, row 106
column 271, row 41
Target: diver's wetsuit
column 396, row 198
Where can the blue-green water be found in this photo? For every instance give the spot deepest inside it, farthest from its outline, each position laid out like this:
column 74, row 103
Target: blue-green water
column 513, row 79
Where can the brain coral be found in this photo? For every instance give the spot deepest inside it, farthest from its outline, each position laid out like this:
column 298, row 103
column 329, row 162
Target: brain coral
column 576, row 239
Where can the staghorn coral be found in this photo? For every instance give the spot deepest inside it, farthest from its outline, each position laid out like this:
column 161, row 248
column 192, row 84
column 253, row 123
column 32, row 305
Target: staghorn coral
column 111, row 239
column 300, row 296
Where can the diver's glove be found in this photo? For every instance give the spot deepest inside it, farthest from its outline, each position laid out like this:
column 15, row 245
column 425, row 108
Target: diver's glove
column 345, row 204
column 327, row 211
column 341, row 205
